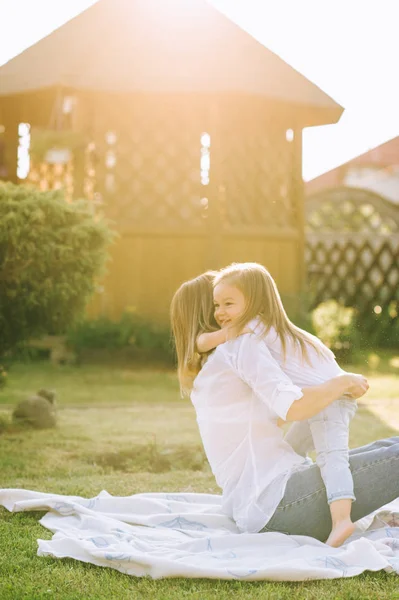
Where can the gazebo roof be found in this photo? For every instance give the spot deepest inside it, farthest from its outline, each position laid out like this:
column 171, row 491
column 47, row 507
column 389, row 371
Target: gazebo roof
column 173, row 46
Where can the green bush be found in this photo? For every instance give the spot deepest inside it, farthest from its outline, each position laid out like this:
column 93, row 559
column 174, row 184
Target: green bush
column 51, row 253
column 132, row 331
column 384, row 332
column 4, row 424
column 335, row 325
column 3, row 376
column 152, row 458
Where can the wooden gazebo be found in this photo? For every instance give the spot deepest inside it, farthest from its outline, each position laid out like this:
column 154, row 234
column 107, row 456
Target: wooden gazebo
column 193, row 140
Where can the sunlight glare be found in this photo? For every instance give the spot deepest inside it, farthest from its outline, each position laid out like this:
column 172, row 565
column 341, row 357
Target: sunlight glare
column 23, row 165
column 356, row 73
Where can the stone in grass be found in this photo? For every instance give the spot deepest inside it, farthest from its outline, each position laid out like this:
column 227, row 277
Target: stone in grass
column 38, row 411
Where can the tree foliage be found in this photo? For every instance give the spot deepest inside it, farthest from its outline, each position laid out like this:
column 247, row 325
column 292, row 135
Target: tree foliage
column 51, row 254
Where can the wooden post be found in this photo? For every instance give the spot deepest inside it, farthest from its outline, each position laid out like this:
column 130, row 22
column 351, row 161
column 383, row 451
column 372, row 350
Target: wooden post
column 81, row 123
column 299, row 202
column 214, row 254
column 11, row 138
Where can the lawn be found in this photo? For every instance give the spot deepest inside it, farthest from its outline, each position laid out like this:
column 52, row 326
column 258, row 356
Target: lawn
column 127, row 431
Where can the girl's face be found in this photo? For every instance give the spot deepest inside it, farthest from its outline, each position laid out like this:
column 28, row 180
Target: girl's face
column 229, row 303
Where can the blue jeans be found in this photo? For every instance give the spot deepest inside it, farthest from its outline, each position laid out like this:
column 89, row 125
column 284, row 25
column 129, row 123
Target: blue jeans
column 328, row 433
column 304, row 509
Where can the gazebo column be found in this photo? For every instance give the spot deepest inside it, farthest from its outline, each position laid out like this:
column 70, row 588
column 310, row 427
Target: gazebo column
column 11, row 138
column 213, row 192
column 298, row 196
column 81, row 123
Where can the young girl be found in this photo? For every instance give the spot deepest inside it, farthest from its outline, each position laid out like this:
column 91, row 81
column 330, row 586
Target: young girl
column 248, row 291
column 246, row 296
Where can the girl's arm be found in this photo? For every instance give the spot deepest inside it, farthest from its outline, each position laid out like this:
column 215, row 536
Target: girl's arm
column 208, row 341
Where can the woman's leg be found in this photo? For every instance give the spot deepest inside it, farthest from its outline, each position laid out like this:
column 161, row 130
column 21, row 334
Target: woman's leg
column 304, row 509
column 375, row 471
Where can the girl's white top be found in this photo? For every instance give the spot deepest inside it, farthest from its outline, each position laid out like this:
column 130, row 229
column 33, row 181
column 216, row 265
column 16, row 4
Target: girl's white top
column 318, row 370
column 238, row 396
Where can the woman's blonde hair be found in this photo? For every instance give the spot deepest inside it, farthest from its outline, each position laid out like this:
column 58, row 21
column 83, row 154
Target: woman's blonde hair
column 263, row 300
column 191, row 313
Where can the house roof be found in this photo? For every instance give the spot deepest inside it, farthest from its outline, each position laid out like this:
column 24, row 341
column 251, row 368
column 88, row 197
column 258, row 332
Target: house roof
column 381, row 157
column 156, row 46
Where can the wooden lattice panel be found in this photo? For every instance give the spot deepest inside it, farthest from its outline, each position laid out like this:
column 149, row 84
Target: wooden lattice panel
column 148, row 164
column 351, row 210
column 258, row 170
column 48, row 176
column 148, row 155
column 352, row 251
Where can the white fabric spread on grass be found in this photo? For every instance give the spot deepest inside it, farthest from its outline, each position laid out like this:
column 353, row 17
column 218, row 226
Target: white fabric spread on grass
column 187, row 535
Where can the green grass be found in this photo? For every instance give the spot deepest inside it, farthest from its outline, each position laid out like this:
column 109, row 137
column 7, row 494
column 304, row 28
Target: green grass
column 127, row 431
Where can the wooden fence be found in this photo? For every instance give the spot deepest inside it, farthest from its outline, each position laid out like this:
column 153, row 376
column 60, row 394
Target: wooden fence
column 352, row 254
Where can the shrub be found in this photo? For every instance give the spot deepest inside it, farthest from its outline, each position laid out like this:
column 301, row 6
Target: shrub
column 4, row 424
column 3, row 376
column 335, row 325
column 384, row 332
column 132, row 331
column 152, row 458
column 51, row 253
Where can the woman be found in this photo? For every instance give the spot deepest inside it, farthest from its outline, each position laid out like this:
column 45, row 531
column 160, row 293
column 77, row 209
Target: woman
column 239, row 394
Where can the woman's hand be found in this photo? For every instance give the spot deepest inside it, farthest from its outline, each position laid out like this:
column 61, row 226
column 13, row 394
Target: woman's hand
column 357, row 385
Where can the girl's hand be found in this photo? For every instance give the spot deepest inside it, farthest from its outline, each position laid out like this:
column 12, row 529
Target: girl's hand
column 280, row 422
column 357, row 385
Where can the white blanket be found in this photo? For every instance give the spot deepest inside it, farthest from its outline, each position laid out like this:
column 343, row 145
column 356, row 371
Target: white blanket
column 187, row 535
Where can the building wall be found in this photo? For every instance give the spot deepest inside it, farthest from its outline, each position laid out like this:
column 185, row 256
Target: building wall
column 384, row 182
column 145, row 271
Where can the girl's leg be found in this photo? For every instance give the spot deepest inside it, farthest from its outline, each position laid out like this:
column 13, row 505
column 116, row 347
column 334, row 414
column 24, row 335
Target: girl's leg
column 304, row 509
column 300, row 438
column 330, row 431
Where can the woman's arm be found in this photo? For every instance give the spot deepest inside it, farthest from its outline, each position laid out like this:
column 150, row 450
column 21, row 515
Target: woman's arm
column 255, row 365
column 318, row 397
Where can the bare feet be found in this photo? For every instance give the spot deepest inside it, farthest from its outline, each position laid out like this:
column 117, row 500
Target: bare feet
column 340, row 532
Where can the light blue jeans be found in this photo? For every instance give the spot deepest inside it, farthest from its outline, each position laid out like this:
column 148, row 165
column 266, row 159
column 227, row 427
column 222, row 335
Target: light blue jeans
column 304, row 509
column 328, row 433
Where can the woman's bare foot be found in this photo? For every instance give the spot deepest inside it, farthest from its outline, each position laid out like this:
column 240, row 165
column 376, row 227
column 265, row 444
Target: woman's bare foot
column 340, row 532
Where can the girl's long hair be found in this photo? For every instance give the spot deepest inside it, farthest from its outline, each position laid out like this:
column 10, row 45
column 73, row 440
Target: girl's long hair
column 263, row 300
column 191, row 313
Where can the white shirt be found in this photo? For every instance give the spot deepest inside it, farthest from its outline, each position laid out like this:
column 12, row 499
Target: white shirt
column 238, row 396
column 301, row 372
